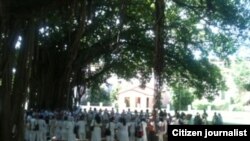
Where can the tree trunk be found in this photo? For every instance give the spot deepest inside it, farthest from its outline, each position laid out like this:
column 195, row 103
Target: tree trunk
column 21, row 80
column 158, row 56
column 7, row 79
column 159, row 52
column 53, row 70
column 72, row 54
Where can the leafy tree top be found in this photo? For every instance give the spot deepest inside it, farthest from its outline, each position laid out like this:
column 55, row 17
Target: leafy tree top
column 118, row 36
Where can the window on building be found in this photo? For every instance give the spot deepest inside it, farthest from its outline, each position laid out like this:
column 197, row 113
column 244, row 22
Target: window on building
column 138, row 102
column 127, row 101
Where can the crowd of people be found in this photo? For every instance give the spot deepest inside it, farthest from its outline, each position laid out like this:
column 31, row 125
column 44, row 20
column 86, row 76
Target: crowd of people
column 97, row 125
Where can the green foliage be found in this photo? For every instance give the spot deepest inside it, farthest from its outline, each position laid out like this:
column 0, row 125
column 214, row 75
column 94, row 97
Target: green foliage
column 99, row 94
column 201, row 105
column 114, row 95
column 222, row 106
column 126, row 48
column 118, row 37
column 182, row 97
column 241, row 71
column 238, row 108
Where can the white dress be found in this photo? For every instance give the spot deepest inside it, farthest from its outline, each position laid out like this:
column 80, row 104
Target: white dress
column 162, row 131
column 82, row 129
column 52, row 127
column 58, row 129
column 111, row 126
column 96, row 133
column 122, row 132
column 132, row 131
column 64, row 130
column 70, row 131
column 42, row 130
column 33, row 133
column 144, row 126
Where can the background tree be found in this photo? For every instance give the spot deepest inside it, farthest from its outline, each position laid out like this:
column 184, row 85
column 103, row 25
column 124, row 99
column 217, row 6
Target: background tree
column 99, row 94
column 241, row 71
column 241, row 74
column 182, row 97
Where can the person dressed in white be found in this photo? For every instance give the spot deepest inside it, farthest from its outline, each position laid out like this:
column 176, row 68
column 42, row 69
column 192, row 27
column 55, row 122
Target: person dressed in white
column 70, row 124
column 111, row 125
column 64, row 128
column 139, row 128
column 96, row 133
column 58, row 128
column 27, row 128
column 144, row 126
column 162, row 124
column 52, row 126
column 42, row 129
column 34, row 129
column 81, row 124
column 132, row 129
column 122, row 127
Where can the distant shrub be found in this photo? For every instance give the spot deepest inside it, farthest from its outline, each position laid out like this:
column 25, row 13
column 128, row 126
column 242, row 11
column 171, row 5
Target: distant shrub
column 201, row 105
column 238, row 108
column 223, row 106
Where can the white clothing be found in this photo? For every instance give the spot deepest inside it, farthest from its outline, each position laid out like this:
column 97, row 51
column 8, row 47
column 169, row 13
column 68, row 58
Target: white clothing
column 111, row 126
column 96, row 133
column 82, row 129
column 27, row 131
column 33, row 133
column 52, row 128
column 64, row 130
column 70, row 130
column 58, row 130
column 123, row 132
column 163, row 130
column 132, row 131
column 144, row 126
column 42, row 130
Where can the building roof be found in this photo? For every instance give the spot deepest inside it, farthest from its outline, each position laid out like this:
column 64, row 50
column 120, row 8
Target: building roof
column 149, row 91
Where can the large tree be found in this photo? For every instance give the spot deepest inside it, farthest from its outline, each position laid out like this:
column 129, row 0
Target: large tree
column 19, row 24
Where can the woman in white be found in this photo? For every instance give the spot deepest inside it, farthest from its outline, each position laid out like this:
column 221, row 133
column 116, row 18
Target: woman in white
column 132, row 129
column 81, row 123
column 139, row 127
column 162, row 129
column 122, row 130
column 34, row 131
column 96, row 133
column 42, row 129
column 144, row 126
column 52, row 126
column 27, row 129
column 70, row 129
column 58, row 128
column 64, row 128
column 111, row 125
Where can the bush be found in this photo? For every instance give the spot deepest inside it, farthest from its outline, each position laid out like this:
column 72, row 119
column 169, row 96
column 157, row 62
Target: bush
column 238, row 108
column 201, row 105
column 223, row 106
